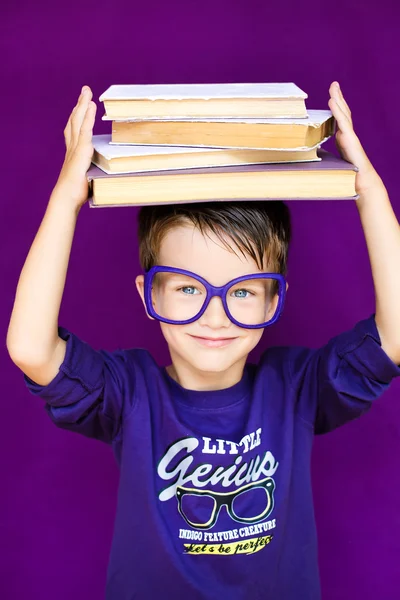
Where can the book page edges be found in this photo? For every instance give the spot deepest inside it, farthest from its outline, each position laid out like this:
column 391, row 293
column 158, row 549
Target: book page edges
column 183, row 168
column 298, row 149
column 292, row 199
column 329, row 162
column 314, row 118
column 110, row 150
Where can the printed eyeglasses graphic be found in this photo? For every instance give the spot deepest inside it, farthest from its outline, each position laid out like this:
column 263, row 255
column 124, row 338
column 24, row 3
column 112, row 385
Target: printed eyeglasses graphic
column 230, row 500
column 177, row 296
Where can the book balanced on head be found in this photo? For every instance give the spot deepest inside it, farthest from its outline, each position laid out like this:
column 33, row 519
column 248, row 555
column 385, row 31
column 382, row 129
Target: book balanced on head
column 329, row 178
column 162, row 151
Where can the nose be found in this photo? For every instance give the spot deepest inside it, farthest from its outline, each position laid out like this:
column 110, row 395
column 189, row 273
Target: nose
column 215, row 316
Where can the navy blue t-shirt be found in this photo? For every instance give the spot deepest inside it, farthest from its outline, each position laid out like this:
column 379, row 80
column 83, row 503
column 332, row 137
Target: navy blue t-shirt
column 215, row 497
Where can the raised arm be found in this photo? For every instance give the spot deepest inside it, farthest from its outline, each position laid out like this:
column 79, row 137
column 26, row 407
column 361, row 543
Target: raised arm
column 32, row 340
column 380, row 225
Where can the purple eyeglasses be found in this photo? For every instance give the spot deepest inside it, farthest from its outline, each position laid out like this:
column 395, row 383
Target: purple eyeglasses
column 181, row 297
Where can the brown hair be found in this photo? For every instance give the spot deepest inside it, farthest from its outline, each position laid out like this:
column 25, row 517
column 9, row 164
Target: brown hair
column 261, row 229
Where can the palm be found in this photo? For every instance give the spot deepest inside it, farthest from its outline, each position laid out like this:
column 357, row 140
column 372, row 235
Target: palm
column 342, row 144
column 347, row 142
column 79, row 148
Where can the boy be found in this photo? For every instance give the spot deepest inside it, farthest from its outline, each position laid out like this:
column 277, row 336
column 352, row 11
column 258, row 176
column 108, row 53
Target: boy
column 215, row 495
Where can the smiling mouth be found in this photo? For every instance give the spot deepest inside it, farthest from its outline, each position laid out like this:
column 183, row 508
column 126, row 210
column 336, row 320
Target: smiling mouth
column 213, row 342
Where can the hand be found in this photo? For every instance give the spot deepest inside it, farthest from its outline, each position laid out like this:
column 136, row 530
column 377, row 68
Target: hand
column 78, row 132
column 348, row 144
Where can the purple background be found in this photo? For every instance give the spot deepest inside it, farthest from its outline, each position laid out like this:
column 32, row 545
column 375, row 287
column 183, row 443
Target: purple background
column 59, row 489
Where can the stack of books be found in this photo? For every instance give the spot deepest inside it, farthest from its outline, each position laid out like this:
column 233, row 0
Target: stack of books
column 214, row 142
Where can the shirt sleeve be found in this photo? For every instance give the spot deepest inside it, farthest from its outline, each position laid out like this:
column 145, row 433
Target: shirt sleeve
column 91, row 392
column 339, row 382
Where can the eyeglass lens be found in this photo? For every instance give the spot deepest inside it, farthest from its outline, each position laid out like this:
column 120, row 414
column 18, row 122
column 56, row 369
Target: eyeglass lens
column 179, row 297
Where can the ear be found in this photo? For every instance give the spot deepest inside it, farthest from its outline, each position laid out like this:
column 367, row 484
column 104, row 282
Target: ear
column 275, row 300
column 139, row 281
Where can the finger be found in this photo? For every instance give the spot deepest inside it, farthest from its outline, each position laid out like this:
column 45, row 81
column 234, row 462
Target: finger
column 84, row 147
column 78, row 114
column 342, row 119
column 77, row 102
column 67, row 133
column 338, row 97
column 86, row 130
column 79, row 110
column 344, row 100
column 343, row 106
column 68, row 127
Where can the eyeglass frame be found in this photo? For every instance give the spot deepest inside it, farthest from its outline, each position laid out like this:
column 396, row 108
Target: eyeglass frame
column 211, row 291
column 226, row 499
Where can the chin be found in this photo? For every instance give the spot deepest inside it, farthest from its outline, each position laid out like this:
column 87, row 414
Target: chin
column 208, row 359
column 212, row 360
column 211, row 364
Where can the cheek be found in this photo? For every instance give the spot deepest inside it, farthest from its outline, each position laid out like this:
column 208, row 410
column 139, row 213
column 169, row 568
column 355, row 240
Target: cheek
column 252, row 338
column 173, row 334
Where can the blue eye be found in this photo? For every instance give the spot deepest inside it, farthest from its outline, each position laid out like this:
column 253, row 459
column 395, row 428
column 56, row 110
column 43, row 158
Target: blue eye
column 241, row 293
column 190, row 290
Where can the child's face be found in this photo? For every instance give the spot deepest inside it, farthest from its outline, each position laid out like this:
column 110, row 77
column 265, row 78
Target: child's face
column 212, row 343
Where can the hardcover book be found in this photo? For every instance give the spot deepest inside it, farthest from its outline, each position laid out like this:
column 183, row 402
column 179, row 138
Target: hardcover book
column 116, row 158
column 271, row 134
column 329, row 178
column 204, row 100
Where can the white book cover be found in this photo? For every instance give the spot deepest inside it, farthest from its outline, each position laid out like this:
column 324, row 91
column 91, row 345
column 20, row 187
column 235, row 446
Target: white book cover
column 204, row 91
column 102, row 143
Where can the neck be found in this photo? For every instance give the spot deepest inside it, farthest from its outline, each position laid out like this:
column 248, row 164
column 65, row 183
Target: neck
column 193, row 379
